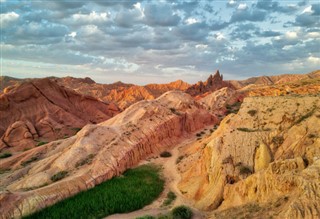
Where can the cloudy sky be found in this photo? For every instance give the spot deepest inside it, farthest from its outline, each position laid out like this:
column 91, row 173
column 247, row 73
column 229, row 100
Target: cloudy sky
column 143, row 41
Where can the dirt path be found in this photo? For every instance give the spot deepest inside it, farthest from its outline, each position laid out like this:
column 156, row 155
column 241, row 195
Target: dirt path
column 172, row 178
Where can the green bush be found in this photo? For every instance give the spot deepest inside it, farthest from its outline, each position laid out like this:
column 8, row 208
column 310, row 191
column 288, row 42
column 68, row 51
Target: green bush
column 170, row 198
column 135, row 189
column 182, row 212
column 146, row 217
column 5, row 155
column 32, row 159
column 165, row 154
column 58, row 176
column 42, row 143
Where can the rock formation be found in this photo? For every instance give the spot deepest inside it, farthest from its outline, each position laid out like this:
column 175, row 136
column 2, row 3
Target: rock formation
column 121, row 94
column 259, row 156
column 213, row 83
column 98, row 152
column 42, row 110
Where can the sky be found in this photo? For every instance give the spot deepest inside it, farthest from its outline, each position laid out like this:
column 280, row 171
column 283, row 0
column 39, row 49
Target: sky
column 158, row 41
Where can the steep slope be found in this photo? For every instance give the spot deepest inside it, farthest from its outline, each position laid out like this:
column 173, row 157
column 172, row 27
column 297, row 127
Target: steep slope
column 261, row 162
column 98, row 152
column 44, row 111
column 213, row 83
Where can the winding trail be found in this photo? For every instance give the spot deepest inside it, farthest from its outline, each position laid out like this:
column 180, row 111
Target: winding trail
column 172, row 178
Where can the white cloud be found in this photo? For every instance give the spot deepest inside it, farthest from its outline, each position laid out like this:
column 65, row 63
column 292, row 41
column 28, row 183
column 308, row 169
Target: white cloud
column 219, row 36
column 73, row 34
column 315, row 60
column 8, row 18
column 242, row 6
column 291, row 34
column 314, row 34
column 307, row 10
column 93, row 17
column 191, row 21
column 201, row 46
column 232, row 2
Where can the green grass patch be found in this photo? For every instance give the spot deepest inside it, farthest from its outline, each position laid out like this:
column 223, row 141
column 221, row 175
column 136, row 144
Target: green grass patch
column 135, row 189
column 5, row 155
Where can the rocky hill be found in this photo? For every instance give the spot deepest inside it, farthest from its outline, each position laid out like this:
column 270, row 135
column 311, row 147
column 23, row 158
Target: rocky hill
column 261, row 162
column 41, row 111
column 98, row 152
column 121, row 94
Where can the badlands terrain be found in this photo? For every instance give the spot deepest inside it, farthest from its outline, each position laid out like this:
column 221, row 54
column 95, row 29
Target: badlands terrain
column 237, row 149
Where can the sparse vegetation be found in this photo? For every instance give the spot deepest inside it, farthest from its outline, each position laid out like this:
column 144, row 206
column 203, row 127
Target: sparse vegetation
column 305, row 116
column 165, row 154
column 179, row 159
column 58, row 176
column 32, row 159
column 5, row 155
column 246, row 129
column 277, row 140
column 135, row 189
column 244, row 170
column 170, row 198
column 86, row 160
column 76, row 129
column 252, row 112
column 182, row 212
column 42, row 143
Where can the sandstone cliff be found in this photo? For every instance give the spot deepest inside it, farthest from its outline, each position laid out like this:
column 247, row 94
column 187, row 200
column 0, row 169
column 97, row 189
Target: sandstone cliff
column 269, row 150
column 98, row 152
column 44, row 111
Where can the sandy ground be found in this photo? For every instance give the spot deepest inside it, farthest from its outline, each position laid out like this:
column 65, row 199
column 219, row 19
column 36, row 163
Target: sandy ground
column 172, row 178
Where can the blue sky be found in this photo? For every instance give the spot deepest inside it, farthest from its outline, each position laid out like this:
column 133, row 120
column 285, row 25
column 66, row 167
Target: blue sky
column 158, row 40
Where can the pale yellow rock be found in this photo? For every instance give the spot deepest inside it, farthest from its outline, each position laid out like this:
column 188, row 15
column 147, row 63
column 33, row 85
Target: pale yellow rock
column 262, row 157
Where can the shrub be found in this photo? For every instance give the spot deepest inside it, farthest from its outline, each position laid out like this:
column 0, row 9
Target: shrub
column 245, row 129
column 170, row 198
column 277, row 140
column 32, row 159
column 86, row 160
column 5, row 155
column 179, row 159
column 245, row 170
column 252, row 112
column 146, row 217
column 165, row 154
column 42, row 143
column 58, row 176
column 198, row 134
column 182, row 212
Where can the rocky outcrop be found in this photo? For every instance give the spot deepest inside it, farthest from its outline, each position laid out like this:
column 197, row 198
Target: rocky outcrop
column 42, row 110
column 98, row 152
column 213, row 83
column 258, row 156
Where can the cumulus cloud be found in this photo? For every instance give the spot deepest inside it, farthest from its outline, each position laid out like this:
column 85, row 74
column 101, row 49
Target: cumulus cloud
column 160, row 15
column 8, row 18
column 170, row 38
